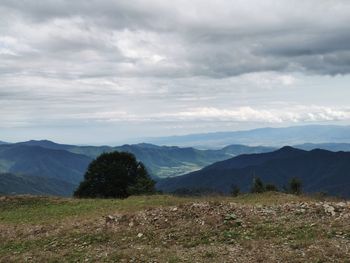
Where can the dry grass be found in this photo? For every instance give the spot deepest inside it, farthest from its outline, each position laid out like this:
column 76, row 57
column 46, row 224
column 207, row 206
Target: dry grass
column 250, row 228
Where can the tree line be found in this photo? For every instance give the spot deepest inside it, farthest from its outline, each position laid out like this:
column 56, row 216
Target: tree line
column 294, row 187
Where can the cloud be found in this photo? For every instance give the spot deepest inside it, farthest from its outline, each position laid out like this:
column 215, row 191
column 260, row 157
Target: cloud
column 182, row 38
column 294, row 114
column 291, row 114
column 74, row 63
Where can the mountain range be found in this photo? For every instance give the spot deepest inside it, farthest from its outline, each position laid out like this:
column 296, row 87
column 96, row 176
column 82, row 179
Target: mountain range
column 275, row 137
column 334, row 147
column 34, row 166
column 63, row 166
column 161, row 161
column 319, row 170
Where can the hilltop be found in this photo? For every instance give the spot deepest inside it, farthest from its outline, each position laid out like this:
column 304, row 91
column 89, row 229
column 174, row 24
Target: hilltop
column 15, row 184
column 319, row 170
column 268, row 227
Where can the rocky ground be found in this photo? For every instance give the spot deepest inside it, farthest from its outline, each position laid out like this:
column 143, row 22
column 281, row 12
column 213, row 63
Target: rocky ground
column 254, row 228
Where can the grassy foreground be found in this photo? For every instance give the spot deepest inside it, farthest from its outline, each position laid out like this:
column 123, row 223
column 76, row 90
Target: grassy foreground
column 267, row 227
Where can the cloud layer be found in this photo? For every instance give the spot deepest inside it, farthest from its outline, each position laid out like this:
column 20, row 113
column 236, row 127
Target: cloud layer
column 68, row 63
column 181, row 38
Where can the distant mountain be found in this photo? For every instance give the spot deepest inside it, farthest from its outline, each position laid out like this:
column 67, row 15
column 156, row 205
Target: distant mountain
column 91, row 151
column 237, row 149
column 246, row 160
column 11, row 184
column 319, row 170
column 43, row 162
column 46, row 144
column 45, row 167
column 161, row 161
column 57, row 168
column 165, row 161
column 334, row 147
column 264, row 136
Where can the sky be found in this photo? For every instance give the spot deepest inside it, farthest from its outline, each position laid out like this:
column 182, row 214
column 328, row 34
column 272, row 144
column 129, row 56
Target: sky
column 110, row 71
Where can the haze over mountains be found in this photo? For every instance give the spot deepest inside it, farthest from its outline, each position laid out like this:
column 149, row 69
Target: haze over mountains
column 265, row 136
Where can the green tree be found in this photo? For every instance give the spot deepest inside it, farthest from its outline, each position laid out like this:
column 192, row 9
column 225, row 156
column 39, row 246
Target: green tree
column 295, row 186
column 115, row 175
column 258, row 186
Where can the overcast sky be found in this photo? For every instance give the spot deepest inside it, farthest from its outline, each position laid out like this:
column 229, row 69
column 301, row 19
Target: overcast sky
column 103, row 71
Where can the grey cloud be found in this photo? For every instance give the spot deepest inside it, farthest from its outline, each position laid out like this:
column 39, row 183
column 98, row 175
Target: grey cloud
column 195, row 38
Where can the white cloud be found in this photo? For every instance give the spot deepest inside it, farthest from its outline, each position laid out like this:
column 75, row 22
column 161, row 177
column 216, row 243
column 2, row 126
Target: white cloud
column 12, row 46
column 249, row 114
column 267, row 80
column 292, row 114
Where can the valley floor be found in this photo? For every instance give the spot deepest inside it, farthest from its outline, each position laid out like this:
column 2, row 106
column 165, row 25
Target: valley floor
column 268, row 227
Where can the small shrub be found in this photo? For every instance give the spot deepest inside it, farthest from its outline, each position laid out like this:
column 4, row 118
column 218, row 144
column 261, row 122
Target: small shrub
column 258, row 186
column 271, row 188
column 295, row 186
column 235, row 191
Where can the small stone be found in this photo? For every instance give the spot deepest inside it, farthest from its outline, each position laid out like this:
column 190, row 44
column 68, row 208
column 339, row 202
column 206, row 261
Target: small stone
column 329, row 209
column 341, row 204
column 110, row 219
column 139, row 235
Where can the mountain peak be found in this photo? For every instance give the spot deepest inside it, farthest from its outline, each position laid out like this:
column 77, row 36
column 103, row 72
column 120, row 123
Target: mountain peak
column 287, row 149
column 45, row 144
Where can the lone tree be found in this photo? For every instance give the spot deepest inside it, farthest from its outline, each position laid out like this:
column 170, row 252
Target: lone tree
column 115, row 175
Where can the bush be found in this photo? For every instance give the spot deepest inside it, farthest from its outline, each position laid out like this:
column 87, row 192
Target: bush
column 295, row 186
column 258, row 186
column 115, row 175
column 271, row 188
column 235, row 191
